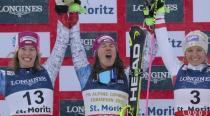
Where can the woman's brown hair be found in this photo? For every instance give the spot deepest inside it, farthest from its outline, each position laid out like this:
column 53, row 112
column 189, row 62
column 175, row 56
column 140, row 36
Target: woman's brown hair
column 15, row 65
column 118, row 64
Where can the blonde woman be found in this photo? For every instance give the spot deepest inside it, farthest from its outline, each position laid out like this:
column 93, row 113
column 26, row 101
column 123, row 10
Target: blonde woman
column 191, row 77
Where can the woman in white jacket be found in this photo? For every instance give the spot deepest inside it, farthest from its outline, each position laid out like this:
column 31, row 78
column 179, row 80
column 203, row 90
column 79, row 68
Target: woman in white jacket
column 191, row 78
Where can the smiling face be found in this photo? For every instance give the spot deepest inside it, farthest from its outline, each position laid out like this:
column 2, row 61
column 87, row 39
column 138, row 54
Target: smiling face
column 107, row 54
column 27, row 56
column 195, row 55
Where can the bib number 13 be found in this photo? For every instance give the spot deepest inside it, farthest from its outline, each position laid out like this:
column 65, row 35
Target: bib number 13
column 39, row 99
column 196, row 99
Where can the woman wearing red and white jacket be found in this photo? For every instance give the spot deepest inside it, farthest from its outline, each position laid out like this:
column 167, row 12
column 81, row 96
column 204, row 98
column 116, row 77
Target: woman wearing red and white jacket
column 191, row 77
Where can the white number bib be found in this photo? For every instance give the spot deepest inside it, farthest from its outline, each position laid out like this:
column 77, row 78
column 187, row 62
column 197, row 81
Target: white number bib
column 36, row 101
column 192, row 99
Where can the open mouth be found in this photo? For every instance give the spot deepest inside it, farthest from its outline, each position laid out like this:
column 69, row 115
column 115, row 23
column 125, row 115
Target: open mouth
column 108, row 56
column 195, row 59
column 27, row 59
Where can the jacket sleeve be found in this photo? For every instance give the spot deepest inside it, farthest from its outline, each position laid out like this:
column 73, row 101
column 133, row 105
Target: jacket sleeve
column 54, row 61
column 79, row 57
column 170, row 60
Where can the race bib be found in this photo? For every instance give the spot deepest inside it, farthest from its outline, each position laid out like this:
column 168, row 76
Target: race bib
column 104, row 101
column 192, row 99
column 36, row 101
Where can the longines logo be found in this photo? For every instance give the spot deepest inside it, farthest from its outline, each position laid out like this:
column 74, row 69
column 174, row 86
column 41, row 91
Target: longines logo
column 88, row 43
column 29, row 82
column 140, row 7
column 157, row 76
column 195, row 80
column 75, row 109
column 134, row 10
column 72, row 108
column 21, row 10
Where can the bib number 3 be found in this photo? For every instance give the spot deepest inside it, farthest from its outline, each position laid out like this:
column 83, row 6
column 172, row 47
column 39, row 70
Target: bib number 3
column 196, row 98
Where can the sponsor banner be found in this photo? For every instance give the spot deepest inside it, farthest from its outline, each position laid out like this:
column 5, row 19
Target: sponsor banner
column 68, row 79
column 157, row 107
column 4, row 110
column 23, row 11
column 134, row 11
column 176, row 10
column 200, row 8
column 99, row 11
column 72, row 108
column 175, row 39
column 160, row 79
column 88, row 38
column 8, row 41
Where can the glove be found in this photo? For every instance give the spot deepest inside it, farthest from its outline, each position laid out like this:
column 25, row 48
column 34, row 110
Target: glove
column 74, row 9
column 68, row 19
column 77, row 1
column 62, row 12
column 151, row 9
column 73, row 19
